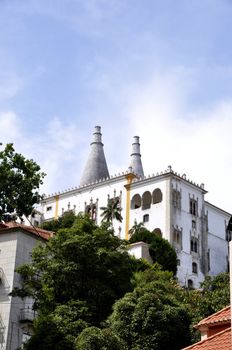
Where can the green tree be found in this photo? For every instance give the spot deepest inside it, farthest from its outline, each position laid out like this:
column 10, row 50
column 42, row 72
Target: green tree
column 153, row 316
column 64, row 221
column 112, row 211
column 20, row 179
column 84, row 265
column 213, row 296
column 94, row 338
column 160, row 249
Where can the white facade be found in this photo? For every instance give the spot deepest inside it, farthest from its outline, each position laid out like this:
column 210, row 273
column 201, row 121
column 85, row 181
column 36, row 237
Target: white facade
column 16, row 314
column 168, row 203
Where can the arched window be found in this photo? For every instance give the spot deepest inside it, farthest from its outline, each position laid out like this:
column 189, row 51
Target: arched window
column 136, row 201
column 157, row 196
column 91, row 210
column 157, row 231
column 190, row 284
column 146, row 200
column 194, row 267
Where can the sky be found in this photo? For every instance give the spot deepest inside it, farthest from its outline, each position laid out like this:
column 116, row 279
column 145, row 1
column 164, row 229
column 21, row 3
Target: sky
column 158, row 69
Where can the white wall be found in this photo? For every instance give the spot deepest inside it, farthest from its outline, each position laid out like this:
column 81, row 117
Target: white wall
column 15, row 250
column 162, row 215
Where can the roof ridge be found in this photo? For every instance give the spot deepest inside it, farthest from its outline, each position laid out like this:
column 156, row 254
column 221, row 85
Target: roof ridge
column 208, row 339
column 211, row 316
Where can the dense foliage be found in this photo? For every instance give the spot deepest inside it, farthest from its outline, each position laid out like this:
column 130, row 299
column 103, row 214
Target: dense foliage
column 153, row 316
column 64, row 221
column 20, row 179
column 213, row 296
column 75, row 279
column 94, row 338
column 160, row 249
column 85, row 272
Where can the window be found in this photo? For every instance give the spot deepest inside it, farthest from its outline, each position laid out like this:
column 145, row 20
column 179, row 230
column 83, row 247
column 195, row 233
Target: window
column 194, row 267
column 178, row 262
column 146, row 200
column 136, row 201
column 208, row 259
column 176, row 199
column 193, row 207
column 145, row 218
column 190, row 284
column 157, row 196
column 36, row 223
column 194, row 244
column 228, row 235
column 194, row 224
column 49, row 208
column 157, row 231
column 177, row 237
column 91, row 210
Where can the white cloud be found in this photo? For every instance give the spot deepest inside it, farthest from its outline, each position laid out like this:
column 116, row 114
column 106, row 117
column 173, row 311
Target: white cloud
column 55, row 149
column 196, row 142
column 10, row 128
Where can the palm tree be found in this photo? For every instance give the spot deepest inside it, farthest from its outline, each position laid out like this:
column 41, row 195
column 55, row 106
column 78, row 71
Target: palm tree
column 112, row 210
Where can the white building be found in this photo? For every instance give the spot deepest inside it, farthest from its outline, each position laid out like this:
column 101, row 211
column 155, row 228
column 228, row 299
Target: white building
column 16, row 315
column 167, row 203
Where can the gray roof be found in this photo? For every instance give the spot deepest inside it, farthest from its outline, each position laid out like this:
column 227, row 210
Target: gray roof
column 96, row 167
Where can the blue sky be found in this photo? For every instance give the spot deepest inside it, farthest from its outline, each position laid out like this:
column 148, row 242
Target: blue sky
column 160, row 69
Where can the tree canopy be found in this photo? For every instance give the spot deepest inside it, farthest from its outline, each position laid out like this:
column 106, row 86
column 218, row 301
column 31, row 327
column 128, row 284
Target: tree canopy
column 112, row 211
column 20, row 179
column 153, row 316
column 160, row 249
column 84, row 272
column 213, row 296
column 64, row 221
column 74, row 280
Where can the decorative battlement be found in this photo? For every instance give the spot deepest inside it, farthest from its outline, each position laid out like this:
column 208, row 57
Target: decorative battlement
column 137, row 178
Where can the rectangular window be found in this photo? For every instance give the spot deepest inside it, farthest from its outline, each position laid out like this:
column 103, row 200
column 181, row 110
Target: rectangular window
column 194, row 245
column 146, row 218
column 228, row 235
column 177, row 238
column 193, row 207
column 49, row 208
column 208, row 259
column 176, row 199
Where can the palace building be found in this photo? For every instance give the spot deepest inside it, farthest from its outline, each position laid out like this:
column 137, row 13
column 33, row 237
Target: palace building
column 166, row 203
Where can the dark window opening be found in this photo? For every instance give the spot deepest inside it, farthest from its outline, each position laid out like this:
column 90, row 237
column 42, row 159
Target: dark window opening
column 194, row 267
column 145, row 218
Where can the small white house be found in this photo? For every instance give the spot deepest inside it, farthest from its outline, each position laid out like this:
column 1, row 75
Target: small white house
column 16, row 315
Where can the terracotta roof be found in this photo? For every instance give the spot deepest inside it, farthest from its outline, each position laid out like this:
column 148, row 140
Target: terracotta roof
column 31, row 229
column 222, row 316
column 219, row 341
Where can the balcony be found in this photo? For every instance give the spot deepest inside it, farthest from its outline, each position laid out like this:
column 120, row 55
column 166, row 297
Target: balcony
column 27, row 315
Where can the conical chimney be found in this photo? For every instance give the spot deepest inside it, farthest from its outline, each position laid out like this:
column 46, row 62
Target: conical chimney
column 136, row 163
column 96, row 167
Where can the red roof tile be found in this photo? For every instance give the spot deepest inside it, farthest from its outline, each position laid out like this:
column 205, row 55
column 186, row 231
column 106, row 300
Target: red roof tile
column 31, row 229
column 222, row 316
column 219, row 341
